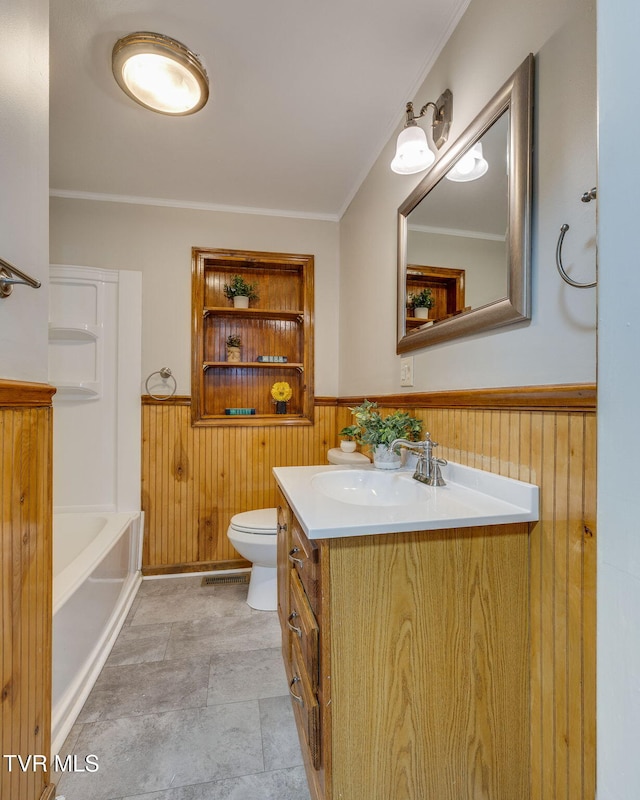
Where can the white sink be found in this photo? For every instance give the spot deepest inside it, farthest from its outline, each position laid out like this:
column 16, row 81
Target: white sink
column 336, row 501
column 362, row 487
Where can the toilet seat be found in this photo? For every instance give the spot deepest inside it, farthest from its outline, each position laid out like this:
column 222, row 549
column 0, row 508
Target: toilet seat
column 259, row 521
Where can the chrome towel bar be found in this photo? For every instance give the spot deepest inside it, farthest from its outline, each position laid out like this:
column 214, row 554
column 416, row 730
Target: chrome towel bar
column 11, row 276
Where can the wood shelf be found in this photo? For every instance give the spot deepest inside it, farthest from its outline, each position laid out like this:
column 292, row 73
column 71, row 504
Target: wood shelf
column 257, row 313
column 254, row 364
column 278, row 323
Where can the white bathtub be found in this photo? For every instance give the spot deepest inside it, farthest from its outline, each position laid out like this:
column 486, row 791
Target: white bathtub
column 96, row 573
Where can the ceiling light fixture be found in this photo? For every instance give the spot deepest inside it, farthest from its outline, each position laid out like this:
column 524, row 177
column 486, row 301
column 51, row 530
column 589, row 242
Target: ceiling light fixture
column 470, row 167
column 412, row 151
column 160, row 73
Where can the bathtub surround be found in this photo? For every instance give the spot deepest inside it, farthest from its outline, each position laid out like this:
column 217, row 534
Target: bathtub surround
column 94, row 353
column 195, row 685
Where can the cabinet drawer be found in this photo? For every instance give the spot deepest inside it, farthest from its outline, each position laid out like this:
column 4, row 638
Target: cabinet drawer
column 305, row 705
column 303, row 556
column 303, row 626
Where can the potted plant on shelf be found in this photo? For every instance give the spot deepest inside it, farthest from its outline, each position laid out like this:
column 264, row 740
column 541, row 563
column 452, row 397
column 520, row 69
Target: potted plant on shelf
column 377, row 432
column 233, row 347
column 348, row 443
column 421, row 302
column 240, row 291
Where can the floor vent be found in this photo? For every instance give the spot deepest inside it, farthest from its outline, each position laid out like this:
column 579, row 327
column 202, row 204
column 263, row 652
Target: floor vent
column 225, row 580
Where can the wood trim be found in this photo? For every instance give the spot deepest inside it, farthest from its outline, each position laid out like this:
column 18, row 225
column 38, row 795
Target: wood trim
column 564, row 397
column 49, row 792
column 197, row 566
column 185, row 400
column 175, row 400
column 22, row 394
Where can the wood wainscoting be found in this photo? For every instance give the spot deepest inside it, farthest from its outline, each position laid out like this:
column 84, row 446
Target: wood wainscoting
column 195, row 479
column 547, row 436
column 25, row 599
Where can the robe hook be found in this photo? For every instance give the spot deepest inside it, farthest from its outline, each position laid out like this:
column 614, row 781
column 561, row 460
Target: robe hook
column 587, row 197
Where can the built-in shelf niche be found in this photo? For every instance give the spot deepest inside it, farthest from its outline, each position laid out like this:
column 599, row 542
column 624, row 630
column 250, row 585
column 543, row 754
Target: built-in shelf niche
column 75, row 334
column 278, row 323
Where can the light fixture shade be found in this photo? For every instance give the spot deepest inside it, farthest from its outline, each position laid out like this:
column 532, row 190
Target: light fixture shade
column 412, row 152
column 470, row 167
column 160, row 73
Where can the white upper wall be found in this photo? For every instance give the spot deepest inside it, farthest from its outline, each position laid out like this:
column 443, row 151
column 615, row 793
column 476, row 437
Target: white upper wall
column 558, row 344
column 158, row 240
column 24, row 184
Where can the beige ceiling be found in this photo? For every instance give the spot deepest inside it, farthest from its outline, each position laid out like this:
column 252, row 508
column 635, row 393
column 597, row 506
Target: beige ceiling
column 304, row 95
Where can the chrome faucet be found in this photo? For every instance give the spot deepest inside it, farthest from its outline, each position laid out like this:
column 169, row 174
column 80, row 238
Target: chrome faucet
column 428, row 466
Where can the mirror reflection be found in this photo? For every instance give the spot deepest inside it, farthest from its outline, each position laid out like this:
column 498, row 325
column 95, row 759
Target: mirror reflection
column 464, row 232
column 462, row 226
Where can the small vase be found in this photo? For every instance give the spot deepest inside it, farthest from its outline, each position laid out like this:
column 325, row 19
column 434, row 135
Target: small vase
column 281, row 407
column 240, row 301
column 385, row 458
column 233, row 354
column 421, row 312
column 347, row 446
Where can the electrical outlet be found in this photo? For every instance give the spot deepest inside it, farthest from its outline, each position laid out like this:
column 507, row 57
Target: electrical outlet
column 406, row 371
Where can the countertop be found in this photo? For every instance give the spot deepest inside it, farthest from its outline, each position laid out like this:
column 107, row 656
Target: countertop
column 470, row 497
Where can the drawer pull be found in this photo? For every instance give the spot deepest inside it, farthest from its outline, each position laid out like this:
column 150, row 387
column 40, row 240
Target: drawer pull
column 293, row 560
column 295, row 696
column 282, row 527
column 291, row 627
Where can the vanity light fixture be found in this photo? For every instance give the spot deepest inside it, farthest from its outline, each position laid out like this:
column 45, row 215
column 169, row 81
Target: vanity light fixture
column 160, row 73
column 470, row 167
column 412, row 151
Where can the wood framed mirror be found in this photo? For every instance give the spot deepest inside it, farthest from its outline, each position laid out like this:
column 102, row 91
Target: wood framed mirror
column 469, row 240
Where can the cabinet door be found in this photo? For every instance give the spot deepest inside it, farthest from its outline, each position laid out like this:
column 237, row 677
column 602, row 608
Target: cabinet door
column 304, row 556
column 305, row 705
column 303, row 626
column 284, row 568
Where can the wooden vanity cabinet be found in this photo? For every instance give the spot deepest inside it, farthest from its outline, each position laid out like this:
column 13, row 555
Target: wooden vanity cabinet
column 407, row 656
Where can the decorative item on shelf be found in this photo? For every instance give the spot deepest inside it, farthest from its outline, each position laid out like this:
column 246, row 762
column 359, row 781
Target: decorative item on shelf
column 281, row 394
column 233, row 347
column 240, row 291
column 239, row 412
column 348, row 443
column 272, row 359
column 377, row 432
column 421, row 302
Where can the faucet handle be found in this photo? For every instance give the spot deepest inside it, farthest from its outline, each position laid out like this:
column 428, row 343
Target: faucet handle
column 436, row 478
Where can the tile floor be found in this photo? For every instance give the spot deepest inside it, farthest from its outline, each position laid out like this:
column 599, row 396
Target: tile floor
column 192, row 704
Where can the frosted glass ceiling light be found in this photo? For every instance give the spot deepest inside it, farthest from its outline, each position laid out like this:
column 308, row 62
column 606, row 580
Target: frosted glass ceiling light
column 160, row 73
column 470, row 167
column 412, row 151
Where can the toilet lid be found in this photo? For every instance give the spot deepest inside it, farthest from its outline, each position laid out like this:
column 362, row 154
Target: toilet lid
column 260, row 520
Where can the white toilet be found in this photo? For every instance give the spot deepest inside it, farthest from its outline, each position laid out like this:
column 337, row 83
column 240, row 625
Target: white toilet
column 253, row 534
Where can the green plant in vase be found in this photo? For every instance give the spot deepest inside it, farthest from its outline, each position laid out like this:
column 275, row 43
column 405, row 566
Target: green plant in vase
column 349, row 435
column 377, row 432
column 421, row 302
column 240, row 291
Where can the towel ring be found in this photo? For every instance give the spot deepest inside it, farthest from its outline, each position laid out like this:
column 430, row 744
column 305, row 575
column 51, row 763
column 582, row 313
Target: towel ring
column 165, row 373
column 587, row 197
